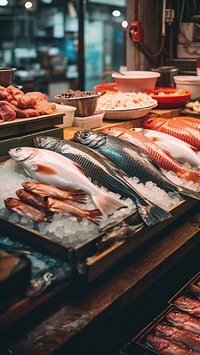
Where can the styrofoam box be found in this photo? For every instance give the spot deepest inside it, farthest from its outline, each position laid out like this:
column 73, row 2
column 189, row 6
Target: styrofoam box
column 89, row 121
column 188, row 32
column 69, row 114
column 189, row 50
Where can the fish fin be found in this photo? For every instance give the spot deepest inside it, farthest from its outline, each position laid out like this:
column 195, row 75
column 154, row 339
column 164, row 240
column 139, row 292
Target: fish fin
column 94, row 216
column 189, row 175
column 107, row 204
column 44, row 169
column 152, row 214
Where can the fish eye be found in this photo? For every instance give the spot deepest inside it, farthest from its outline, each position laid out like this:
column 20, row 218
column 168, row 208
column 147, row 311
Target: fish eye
column 86, row 134
column 18, row 149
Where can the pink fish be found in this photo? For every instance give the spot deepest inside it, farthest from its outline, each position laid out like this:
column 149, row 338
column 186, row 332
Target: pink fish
column 184, row 320
column 58, row 206
column 167, row 347
column 48, row 190
column 188, row 305
column 176, row 128
column 181, row 336
column 25, row 210
column 51, row 168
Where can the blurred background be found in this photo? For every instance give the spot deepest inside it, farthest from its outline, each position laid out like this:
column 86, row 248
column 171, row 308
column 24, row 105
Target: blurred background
column 61, row 44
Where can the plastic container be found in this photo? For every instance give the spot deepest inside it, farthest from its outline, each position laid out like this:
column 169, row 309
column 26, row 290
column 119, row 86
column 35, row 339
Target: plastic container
column 191, row 83
column 136, row 81
column 69, row 114
column 93, row 121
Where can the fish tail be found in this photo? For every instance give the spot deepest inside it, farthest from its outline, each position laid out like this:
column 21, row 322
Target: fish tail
column 107, row 204
column 94, row 216
column 188, row 192
column 78, row 196
column 189, row 175
column 152, row 214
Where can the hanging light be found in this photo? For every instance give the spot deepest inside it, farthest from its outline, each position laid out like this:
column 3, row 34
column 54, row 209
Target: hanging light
column 3, row 2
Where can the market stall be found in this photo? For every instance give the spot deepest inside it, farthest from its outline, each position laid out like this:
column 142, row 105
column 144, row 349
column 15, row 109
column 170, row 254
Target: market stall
column 89, row 271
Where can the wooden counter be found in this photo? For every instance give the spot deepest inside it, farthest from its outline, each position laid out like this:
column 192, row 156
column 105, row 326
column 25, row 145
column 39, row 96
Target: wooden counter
column 100, row 318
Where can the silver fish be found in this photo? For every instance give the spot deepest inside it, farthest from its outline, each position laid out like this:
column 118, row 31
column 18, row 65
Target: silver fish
column 100, row 170
column 131, row 160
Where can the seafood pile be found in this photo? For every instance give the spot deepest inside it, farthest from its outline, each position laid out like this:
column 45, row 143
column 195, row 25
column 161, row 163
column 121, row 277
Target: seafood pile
column 178, row 330
column 14, row 103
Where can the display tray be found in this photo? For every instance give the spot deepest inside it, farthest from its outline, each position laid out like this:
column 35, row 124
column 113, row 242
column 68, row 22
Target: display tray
column 93, row 257
column 20, row 126
column 26, row 139
column 140, row 345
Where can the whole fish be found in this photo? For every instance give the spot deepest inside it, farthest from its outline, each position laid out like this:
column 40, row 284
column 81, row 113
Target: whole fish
column 174, row 147
column 149, row 147
column 48, row 190
column 175, row 128
column 167, row 347
column 130, row 160
column 51, row 168
column 58, row 206
column 188, row 305
column 181, row 336
column 195, row 289
column 184, row 320
column 32, row 199
column 101, row 171
column 25, row 210
column 192, row 121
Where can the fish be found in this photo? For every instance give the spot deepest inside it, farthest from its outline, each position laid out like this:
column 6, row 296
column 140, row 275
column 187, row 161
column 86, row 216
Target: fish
column 100, row 170
column 50, row 279
column 48, row 190
column 25, row 210
column 192, row 121
column 184, row 320
column 175, row 128
column 131, row 160
column 195, row 289
column 32, row 199
column 174, row 147
column 65, row 208
column 188, row 305
column 51, row 168
column 149, row 147
column 181, row 336
column 167, row 347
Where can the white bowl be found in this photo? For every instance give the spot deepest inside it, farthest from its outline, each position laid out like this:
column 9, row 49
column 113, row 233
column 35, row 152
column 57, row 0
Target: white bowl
column 137, row 81
column 191, row 83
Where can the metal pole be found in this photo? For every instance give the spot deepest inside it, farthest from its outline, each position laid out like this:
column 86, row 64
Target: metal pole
column 81, row 51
